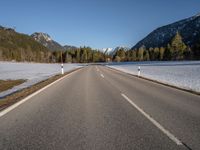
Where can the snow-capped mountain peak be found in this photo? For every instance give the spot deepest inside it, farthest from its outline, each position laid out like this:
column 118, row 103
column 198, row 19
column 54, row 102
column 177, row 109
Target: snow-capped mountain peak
column 107, row 50
column 41, row 36
column 47, row 41
column 197, row 15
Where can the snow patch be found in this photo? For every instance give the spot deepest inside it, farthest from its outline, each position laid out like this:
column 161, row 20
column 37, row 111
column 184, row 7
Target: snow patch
column 184, row 74
column 32, row 72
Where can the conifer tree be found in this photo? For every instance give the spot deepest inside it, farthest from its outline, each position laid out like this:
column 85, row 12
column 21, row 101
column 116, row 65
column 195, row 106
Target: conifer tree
column 156, row 53
column 196, row 50
column 141, row 53
column 161, row 53
column 146, row 55
column 168, row 53
column 178, row 47
column 188, row 53
column 151, row 53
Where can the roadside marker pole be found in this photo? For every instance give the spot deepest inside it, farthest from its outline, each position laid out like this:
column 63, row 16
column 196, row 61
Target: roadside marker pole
column 139, row 71
column 62, row 67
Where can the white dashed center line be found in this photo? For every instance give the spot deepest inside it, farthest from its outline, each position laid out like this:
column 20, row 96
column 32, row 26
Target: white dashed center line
column 158, row 125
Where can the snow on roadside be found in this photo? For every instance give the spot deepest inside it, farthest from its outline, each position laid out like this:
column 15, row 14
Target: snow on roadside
column 32, row 72
column 183, row 74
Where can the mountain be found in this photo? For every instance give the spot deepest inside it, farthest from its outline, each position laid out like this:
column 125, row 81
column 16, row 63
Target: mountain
column 107, row 50
column 67, row 47
column 47, row 41
column 118, row 48
column 188, row 28
column 20, row 47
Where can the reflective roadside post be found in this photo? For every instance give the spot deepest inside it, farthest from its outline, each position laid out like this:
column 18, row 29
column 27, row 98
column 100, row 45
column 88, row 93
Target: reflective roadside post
column 139, row 71
column 62, row 69
column 62, row 66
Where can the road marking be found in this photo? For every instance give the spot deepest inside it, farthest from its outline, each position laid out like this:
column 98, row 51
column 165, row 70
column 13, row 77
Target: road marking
column 10, row 108
column 102, row 75
column 97, row 68
column 158, row 125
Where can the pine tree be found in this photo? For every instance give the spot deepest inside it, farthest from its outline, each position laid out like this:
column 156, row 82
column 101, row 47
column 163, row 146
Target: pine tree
column 188, row 53
column 168, row 53
column 156, row 53
column 121, row 53
column 151, row 53
column 196, row 50
column 128, row 55
column 141, row 53
column 134, row 55
column 146, row 55
column 161, row 53
column 178, row 47
column 68, row 57
column 77, row 56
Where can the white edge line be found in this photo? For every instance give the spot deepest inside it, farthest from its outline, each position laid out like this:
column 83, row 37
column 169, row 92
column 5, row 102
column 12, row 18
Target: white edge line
column 10, row 108
column 158, row 125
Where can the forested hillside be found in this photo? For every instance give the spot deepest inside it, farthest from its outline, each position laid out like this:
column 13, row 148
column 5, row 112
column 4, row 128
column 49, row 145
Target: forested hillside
column 176, row 49
column 176, row 41
column 15, row 46
column 21, row 47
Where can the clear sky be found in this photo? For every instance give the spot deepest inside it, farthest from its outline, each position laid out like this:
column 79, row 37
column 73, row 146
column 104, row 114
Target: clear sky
column 95, row 23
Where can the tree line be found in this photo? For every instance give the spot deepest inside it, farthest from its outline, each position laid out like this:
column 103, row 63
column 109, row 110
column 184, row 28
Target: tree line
column 20, row 47
column 79, row 55
column 23, row 48
column 175, row 50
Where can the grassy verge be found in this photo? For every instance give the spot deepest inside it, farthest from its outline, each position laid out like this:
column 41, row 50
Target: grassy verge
column 15, row 97
column 8, row 84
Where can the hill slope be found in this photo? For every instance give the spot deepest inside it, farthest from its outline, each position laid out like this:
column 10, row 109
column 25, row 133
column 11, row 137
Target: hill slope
column 188, row 28
column 20, row 47
column 47, row 41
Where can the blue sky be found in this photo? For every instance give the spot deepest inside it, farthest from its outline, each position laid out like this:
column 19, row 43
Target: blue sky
column 95, row 23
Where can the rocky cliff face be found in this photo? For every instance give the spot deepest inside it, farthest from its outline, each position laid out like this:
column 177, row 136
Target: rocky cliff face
column 47, row 41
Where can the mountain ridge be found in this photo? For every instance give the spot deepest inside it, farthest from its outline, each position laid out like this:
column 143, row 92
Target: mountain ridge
column 46, row 40
column 189, row 29
column 20, row 47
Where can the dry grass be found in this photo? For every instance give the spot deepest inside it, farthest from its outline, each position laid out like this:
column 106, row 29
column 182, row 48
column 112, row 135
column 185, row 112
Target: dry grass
column 15, row 97
column 8, row 84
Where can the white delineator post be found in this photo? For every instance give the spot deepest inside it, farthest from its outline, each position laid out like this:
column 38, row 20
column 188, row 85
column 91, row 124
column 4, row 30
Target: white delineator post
column 62, row 69
column 139, row 71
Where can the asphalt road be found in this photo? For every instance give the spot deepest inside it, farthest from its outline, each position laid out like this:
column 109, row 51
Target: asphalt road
column 97, row 108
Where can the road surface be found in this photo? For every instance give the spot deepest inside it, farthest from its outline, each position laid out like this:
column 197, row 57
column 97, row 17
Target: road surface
column 97, row 108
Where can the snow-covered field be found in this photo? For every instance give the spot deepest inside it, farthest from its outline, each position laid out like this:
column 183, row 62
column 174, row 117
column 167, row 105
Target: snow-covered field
column 184, row 74
column 32, row 72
